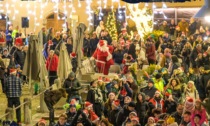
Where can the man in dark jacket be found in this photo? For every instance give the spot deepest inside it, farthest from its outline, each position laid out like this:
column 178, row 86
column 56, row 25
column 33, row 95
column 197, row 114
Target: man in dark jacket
column 93, row 43
column 194, row 55
column 132, row 49
column 192, row 26
column 72, row 86
column 205, row 77
column 116, row 108
column 19, row 56
column 178, row 114
column 150, row 90
column 124, row 113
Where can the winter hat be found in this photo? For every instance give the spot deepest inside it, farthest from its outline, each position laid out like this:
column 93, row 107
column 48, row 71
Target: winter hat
column 152, row 118
column 100, row 78
column 88, row 104
column 132, row 104
column 107, row 80
column 116, row 103
column 133, row 112
column 72, row 75
column 94, row 117
column 135, row 119
column 73, row 55
column 157, row 92
column 17, row 66
column 111, row 93
column 189, row 104
column 12, row 71
column 42, row 121
column 5, row 49
column 101, row 43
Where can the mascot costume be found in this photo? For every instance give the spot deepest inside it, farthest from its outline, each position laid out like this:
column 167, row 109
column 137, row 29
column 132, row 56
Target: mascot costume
column 103, row 57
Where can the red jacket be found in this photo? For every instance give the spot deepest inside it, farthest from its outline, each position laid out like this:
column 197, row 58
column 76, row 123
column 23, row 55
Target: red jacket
column 154, row 102
column 54, row 63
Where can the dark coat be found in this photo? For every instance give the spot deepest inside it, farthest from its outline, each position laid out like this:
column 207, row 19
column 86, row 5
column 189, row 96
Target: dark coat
column 72, row 86
column 118, row 56
column 70, row 117
column 192, row 28
column 2, row 68
column 170, row 106
column 74, row 64
column 132, row 50
column 122, row 115
column 85, row 121
column 149, row 91
column 204, row 80
column 69, row 48
column 55, row 43
column 178, row 118
column 113, row 115
column 53, row 96
column 86, row 43
column 93, row 44
column 19, row 57
column 193, row 56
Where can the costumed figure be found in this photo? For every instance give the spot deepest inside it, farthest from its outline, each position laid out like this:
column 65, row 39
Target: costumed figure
column 103, row 57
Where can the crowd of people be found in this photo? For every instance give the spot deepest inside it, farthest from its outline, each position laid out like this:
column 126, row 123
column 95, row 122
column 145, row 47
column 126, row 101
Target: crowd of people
column 173, row 94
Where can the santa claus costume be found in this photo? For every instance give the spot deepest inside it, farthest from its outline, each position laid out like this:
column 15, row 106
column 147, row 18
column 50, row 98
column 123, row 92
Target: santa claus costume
column 103, row 57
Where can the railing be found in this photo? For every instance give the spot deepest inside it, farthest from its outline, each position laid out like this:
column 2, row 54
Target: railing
column 9, row 113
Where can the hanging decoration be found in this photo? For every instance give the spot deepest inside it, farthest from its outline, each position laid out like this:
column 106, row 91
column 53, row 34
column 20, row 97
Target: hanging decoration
column 143, row 18
column 111, row 25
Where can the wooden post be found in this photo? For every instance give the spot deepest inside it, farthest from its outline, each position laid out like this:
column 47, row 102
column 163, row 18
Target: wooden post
column 10, row 116
column 27, row 111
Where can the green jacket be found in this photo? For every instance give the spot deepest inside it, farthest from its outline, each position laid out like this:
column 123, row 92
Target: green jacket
column 159, row 84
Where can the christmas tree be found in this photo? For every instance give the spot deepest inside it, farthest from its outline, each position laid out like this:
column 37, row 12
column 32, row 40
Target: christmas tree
column 111, row 25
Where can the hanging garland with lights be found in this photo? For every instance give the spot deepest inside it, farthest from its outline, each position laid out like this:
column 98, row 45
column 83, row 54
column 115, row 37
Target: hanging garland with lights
column 111, row 25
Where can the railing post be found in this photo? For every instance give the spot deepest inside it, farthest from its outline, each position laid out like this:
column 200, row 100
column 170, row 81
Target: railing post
column 27, row 111
column 10, row 116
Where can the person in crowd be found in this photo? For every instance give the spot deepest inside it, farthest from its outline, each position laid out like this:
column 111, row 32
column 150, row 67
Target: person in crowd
column 174, row 87
column 72, row 86
column 174, row 64
column 86, row 45
column 150, row 90
column 192, row 26
column 9, row 39
column 95, row 97
column 172, row 27
column 107, row 37
column 69, row 45
column 14, row 32
column 74, row 63
column 56, row 41
column 198, row 110
column 196, row 121
column 170, row 103
column 124, row 113
column 42, row 35
column 166, row 58
column 204, row 79
column 2, row 72
column 183, row 25
column 164, row 27
column 132, row 49
column 186, row 51
column 190, row 91
column 118, row 55
column 129, row 118
column 64, row 37
column 151, row 121
column 158, row 101
column 71, row 113
column 19, row 56
column 150, row 52
column 113, row 113
column 81, row 119
column 99, row 28
column 186, row 119
column 140, row 56
column 93, row 42
column 159, row 83
column 13, row 91
column 178, row 114
column 49, row 34
column 62, row 120
column 52, row 66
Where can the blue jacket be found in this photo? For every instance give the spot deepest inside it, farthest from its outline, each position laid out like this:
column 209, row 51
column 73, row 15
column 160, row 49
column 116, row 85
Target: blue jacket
column 8, row 37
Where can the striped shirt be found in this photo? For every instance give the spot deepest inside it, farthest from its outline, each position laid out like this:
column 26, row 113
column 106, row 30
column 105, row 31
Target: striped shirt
column 13, row 86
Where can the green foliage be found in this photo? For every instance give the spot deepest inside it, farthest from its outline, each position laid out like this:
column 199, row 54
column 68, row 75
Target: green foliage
column 150, row 70
column 154, row 35
column 111, row 25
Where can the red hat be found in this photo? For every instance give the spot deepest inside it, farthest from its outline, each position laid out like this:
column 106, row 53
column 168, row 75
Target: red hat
column 42, row 121
column 157, row 92
column 189, row 104
column 135, row 119
column 107, row 80
column 88, row 104
column 116, row 103
column 94, row 117
column 100, row 78
column 73, row 55
column 101, row 43
column 12, row 70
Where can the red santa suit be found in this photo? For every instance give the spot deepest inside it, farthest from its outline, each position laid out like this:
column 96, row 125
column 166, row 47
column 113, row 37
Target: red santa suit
column 103, row 57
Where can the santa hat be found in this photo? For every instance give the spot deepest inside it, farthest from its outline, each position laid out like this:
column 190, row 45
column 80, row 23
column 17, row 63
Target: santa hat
column 135, row 119
column 116, row 103
column 100, row 78
column 102, row 46
column 73, row 55
column 88, row 104
column 152, row 118
column 123, row 30
column 94, row 117
column 189, row 104
column 111, row 93
column 12, row 71
column 42, row 121
column 107, row 80
column 133, row 112
column 157, row 92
